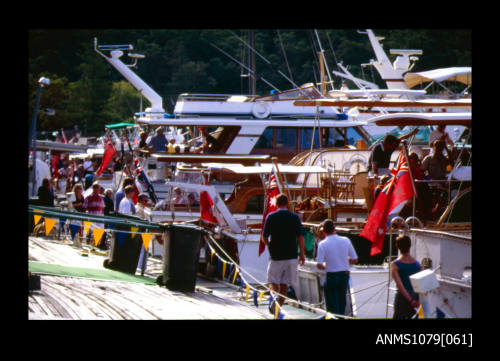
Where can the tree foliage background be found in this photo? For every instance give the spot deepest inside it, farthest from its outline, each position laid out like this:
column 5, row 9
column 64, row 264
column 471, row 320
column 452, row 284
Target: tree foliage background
column 85, row 90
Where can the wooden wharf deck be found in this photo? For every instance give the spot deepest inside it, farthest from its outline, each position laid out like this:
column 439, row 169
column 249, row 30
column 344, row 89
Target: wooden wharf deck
column 66, row 296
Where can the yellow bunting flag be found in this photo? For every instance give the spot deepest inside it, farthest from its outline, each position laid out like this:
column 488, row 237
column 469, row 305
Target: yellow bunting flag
column 134, row 230
column 146, row 239
column 49, row 224
column 86, row 226
column 37, row 218
column 327, row 316
column 260, row 296
column 98, row 232
column 246, row 294
column 211, row 255
column 235, row 274
column 223, row 269
column 420, row 312
column 276, row 310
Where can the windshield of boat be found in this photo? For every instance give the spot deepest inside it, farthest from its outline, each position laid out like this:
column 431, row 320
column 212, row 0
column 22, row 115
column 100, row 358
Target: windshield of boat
column 304, row 92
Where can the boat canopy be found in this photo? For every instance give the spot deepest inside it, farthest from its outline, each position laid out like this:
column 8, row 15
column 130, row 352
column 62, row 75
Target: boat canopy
column 395, row 103
column 119, row 125
column 460, row 74
column 418, row 119
column 60, row 147
column 266, row 168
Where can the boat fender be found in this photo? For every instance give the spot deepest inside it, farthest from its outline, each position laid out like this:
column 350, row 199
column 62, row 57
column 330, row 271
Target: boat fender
column 356, row 159
column 261, row 110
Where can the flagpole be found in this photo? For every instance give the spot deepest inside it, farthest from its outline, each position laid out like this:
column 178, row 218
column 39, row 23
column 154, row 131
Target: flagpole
column 281, row 184
column 405, row 152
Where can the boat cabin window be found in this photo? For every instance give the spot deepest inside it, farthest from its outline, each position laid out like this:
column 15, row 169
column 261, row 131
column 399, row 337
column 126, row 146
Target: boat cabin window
column 305, row 92
column 255, row 204
column 299, row 139
column 266, row 139
column 305, row 135
column 286, row 138
column 222, row 138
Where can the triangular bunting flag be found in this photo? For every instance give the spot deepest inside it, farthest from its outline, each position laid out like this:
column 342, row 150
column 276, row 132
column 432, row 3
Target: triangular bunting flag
column 224, row 264
column 235, row 274
column 86, row 225
column 73, row 228
column 146, row 239
column 277, row 310
column 439, row 313
column 420, row 312
column 120, row 237
column 255, row 299
column 37, row 218
column 49, row 224
column 260, row 297
column 62, row 222
column 134, row 230
column 98, row 232
column 246, row 294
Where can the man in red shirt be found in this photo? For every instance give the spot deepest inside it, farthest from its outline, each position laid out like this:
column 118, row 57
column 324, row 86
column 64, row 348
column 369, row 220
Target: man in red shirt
column 94, row 203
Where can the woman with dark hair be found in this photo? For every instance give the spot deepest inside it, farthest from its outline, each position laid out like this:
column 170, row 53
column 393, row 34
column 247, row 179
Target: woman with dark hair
column 406, row 300
column 46, row 194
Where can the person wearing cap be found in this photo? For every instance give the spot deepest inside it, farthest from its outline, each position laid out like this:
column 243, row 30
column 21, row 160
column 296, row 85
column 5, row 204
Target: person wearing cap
column 335, row 255
column 158, row 143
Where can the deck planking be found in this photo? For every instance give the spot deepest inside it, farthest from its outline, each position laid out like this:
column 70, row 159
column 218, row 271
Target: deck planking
column 79, row 298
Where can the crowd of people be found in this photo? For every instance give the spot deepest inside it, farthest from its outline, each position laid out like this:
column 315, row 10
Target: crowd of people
column 159, row 143
column 437, row 166
column 283, row 232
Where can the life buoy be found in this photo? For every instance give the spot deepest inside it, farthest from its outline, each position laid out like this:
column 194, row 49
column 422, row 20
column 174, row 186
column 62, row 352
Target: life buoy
column 360, row 160
column 261, row 110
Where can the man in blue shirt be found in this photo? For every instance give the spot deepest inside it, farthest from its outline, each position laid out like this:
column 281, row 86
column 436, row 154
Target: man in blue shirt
column 285, row 228
column 159, row 141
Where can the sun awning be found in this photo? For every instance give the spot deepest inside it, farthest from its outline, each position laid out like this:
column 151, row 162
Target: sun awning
column 460, row 74
column 119, row 125
column 389, row 103
column 418, row 119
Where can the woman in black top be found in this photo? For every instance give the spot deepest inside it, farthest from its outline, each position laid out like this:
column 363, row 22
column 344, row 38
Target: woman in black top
column 46, row 194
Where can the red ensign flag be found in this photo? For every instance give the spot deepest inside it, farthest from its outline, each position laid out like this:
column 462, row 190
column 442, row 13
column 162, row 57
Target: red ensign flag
column 397, row 190
column 269, row 206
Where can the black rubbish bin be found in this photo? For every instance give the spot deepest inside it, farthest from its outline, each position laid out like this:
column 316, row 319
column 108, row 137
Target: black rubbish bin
column 125, row 250
column 181, row 251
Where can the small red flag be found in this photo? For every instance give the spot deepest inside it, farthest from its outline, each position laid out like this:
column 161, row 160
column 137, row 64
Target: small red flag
column 206, row 204
column 109, row 153
column 269, row 206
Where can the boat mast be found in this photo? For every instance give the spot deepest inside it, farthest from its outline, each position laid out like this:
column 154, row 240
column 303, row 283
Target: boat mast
column 252, row 81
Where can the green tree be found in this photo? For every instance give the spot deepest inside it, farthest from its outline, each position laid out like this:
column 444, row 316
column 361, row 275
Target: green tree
column 54, row 97
column 123, row 102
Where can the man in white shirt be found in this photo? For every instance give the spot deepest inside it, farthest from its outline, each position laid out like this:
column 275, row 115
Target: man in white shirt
column 335, row 254
column 127, row 205
column 440, row 133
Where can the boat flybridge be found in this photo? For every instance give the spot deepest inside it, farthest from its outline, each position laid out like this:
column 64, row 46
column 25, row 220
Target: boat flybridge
column 246, row 125
column 400, row 95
